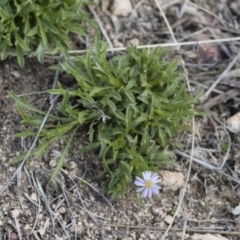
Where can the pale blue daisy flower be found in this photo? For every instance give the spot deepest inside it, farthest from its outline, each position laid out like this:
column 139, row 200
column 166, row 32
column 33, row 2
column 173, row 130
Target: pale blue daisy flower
column 148, row 185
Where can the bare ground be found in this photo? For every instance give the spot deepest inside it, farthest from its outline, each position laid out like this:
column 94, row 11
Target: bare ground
column 33, row 208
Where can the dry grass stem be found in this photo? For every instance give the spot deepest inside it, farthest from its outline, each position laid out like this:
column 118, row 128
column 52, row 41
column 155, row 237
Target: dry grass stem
column 207, row 165
column 189, row 230
column 18, row 171
column 193, row 129
column 101, row 27
column 178, row 44
column 230, row 65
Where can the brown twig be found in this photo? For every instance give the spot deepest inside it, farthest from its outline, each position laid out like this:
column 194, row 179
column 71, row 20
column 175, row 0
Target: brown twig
column 189, row 230
column 230, row 65
column 230, row 29
column 223, row 97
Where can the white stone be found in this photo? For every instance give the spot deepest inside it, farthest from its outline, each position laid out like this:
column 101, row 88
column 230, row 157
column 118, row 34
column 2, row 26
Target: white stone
column 233, row 123
column 236, row 210
column 172, row 180
column 168, row 219
column 208, row 236
column 122, row 8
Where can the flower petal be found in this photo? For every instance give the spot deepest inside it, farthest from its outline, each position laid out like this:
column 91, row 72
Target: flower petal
column 155, row 178
column 140, row 189
column 145, row 193
column 150, row 192
column 154, row 175
column 147, row 175
column 139, row 181
column 155, row 191
column 156, row 186
column 157, row 181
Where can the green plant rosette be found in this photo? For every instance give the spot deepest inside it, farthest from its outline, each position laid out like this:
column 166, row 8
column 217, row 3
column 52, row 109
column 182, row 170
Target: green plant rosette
column 135, row 106
column 39, row 26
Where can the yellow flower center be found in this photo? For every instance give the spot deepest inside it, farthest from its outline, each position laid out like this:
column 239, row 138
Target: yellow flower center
column 148, row 184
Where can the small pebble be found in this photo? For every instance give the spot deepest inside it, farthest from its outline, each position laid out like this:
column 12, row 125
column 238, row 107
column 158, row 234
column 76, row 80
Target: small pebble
column 168, row 219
